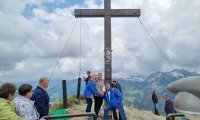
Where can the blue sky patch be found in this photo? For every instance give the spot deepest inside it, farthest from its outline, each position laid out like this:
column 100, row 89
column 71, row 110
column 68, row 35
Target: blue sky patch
column 50, row 6
column 28, row 11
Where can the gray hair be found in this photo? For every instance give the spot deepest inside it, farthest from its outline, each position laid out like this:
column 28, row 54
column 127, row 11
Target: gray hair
column 165, row 94
column 42, row 80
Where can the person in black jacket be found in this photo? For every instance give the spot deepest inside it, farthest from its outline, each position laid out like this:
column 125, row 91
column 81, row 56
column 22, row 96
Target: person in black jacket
column 169, row 107
column 88, row 77
column 41, row 97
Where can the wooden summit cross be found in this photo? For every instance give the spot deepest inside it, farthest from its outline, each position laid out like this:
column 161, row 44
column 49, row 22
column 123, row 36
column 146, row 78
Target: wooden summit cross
column 107, row 13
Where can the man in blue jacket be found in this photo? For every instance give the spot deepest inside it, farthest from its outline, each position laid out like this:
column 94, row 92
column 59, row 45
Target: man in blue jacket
column 169, row 107
column 114, row 99
column 41, row 97
column 116, row 85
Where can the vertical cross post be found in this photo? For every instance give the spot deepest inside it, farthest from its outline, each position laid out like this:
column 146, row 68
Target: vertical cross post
column 107, row 44
column 107, row 13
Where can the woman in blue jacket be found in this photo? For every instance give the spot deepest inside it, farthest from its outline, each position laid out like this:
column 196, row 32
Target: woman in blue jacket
column 89, row 91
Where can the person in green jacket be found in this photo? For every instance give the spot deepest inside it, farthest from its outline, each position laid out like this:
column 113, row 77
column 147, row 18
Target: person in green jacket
column 7, row 109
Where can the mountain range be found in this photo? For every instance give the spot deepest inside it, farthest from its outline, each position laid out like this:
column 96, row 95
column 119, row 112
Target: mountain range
column 137, row 89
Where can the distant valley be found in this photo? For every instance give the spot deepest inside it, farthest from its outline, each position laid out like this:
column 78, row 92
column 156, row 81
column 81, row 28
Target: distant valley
column 136, row 89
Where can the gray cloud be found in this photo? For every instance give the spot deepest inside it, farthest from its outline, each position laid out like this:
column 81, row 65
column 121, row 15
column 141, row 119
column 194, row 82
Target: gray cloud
column 30, row 47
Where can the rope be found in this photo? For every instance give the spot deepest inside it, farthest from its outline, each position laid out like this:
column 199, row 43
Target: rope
column 80, row 50
column 165, row 57
column 53, row 87
column 62, row 51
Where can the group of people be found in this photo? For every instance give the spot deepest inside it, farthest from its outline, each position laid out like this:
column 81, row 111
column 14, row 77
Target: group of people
column 29, row 105
column 110, row 92
column 34, row 104
column 169, row 108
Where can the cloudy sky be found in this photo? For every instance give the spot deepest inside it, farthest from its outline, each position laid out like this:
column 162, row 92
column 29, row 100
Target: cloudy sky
column 34, row 32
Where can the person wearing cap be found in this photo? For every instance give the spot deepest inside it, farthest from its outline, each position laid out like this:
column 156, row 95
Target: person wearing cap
column 115, row 84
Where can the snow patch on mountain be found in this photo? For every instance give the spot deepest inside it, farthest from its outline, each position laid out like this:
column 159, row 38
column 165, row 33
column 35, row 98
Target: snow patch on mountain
column 136, row 78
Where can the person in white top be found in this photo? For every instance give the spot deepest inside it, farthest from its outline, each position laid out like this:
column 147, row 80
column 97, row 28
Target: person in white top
column 98, row 100
column 24, row 105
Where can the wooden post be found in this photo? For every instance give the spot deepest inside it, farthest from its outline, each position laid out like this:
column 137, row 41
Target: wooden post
column 64, row 85
column 79, row 88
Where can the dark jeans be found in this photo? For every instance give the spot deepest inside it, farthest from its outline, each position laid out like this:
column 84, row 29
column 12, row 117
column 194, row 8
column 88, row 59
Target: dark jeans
column 89, row 104
column 156, row 109
column 115, row 115
column 120, row 109
column 98, row 101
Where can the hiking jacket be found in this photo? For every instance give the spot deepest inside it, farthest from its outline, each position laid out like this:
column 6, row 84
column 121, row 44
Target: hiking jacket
column 118, row 86
column 26, row 108
column 115, row 98
column 169, row 107
column 154, row 98
column 41, row 99
column 7, row 110
column 90, row 89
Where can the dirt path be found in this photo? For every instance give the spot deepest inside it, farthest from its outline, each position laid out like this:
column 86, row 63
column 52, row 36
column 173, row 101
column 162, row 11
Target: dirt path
column 131, row 113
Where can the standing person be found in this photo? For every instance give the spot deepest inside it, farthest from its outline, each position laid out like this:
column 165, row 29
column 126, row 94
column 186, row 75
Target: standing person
column 24, row 105
column 169, row 107
column 155, row 101
column 114, row 99
column 89, row 91
column 7, row 108
column 98, row 100
column 41, row 97
column 88, row 77
column 116, row 85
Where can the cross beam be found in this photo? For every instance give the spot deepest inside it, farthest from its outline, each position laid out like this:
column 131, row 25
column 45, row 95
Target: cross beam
column 103, row 12
column 107, row 13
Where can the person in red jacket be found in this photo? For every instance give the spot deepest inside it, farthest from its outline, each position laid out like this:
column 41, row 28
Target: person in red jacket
column 155, row 101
